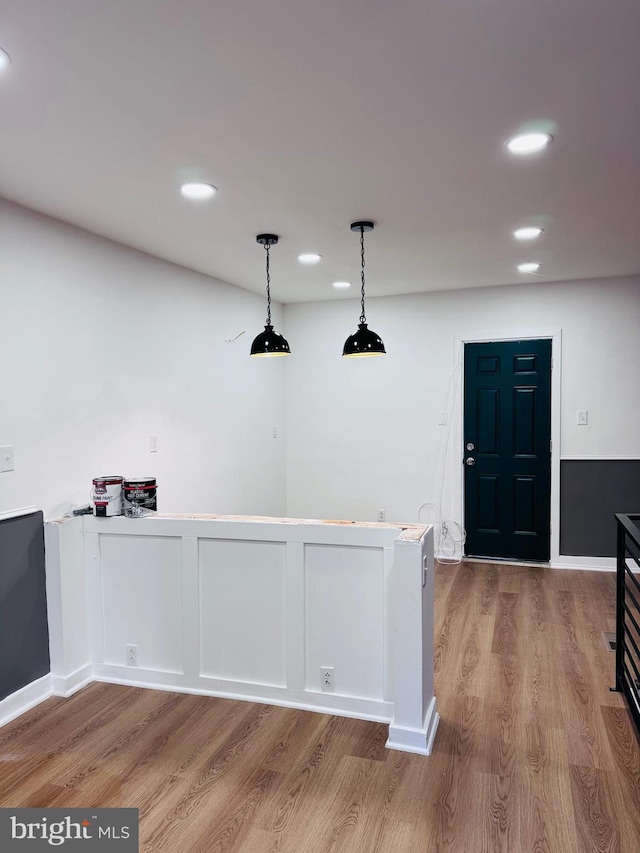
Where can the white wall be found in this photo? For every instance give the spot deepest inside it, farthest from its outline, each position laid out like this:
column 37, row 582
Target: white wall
column 255, row 610
column 363, row 434
column 102, row 346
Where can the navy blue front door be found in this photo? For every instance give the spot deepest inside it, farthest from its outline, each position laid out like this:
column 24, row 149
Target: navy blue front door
column 507, row 449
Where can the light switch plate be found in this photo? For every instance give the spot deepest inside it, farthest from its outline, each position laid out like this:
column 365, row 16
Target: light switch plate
column 6, row 458
column 582, row 417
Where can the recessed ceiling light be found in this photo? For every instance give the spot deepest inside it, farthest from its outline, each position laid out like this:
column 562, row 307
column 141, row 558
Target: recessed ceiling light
column 528, row 143
column 309, row 258
column 530, row 266
column 341, row 284
column 528, row 233
column 5, row 59
column 198, row 191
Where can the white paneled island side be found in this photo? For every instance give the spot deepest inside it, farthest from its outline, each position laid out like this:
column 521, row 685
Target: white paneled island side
column 251, row 608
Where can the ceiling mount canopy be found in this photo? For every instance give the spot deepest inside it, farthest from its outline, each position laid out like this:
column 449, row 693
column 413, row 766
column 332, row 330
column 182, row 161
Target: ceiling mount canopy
column 269, row 343
column 364, row 342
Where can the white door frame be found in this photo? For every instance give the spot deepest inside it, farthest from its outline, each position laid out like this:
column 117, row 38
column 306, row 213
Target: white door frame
column 555, row 336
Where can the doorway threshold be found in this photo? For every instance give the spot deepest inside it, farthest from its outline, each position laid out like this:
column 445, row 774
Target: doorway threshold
column 507, row 561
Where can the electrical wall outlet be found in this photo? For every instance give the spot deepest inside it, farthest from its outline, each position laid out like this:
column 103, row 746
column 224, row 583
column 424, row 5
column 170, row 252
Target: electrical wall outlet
column 381, row 514
column 132, row 656
column 327, row 679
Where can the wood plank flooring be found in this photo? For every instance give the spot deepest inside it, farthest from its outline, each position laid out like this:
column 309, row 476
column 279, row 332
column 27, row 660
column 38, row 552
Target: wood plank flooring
column 533, row 753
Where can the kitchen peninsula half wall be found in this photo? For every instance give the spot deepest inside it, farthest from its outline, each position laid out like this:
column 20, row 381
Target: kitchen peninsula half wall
column 326, row 616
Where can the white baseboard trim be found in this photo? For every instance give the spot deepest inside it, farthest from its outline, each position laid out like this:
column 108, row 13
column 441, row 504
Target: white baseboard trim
column 599, row 458
column 419, row 741
column 67, row 685
column 25, row 699
column 586, row 564
column 16, row 513
column 339, row 706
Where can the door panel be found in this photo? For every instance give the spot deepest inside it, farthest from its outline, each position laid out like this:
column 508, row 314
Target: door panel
column 524, row 504
column 507, row 419
column 488, row 504
column 488, row 421
column 524, row 421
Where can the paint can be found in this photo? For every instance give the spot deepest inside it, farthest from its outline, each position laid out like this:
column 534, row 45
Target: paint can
column 140, row 496
column 106, row 495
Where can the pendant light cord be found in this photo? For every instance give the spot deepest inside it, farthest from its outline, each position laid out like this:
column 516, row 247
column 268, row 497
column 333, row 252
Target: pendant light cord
column 363, row 319
column 267, row 247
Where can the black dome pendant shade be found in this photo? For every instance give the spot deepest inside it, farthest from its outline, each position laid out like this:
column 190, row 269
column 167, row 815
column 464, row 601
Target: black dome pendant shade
column 269, row 343
column 364, row 343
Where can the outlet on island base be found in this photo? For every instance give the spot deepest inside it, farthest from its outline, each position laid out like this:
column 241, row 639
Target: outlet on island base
column 327, row 679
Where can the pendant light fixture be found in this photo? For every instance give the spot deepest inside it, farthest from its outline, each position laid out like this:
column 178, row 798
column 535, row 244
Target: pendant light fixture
column 269, row 343
column 364, row 342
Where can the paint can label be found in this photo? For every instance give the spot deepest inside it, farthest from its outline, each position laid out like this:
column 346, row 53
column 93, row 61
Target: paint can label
column 140, row 497
column 106, row 495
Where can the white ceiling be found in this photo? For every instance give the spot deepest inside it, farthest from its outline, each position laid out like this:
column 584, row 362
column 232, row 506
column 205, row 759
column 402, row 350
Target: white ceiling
column 307, row 114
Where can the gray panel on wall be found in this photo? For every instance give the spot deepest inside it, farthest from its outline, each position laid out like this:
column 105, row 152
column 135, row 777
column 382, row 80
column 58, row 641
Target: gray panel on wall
column 591, row 491
column 24, row 632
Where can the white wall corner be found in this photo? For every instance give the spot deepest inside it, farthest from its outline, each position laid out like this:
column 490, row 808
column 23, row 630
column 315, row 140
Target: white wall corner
column 68, row 685
column 66, row 598
column 415, row 719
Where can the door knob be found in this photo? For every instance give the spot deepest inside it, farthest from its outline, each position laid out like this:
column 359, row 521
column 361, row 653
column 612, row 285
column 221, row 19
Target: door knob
column 470, row 460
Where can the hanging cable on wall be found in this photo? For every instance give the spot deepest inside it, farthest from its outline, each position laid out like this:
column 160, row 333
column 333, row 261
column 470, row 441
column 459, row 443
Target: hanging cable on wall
column 448, row 535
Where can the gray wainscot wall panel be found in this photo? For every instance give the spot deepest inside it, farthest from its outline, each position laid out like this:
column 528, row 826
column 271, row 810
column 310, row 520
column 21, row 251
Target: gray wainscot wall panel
column 24, row 633
column 591, row 491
